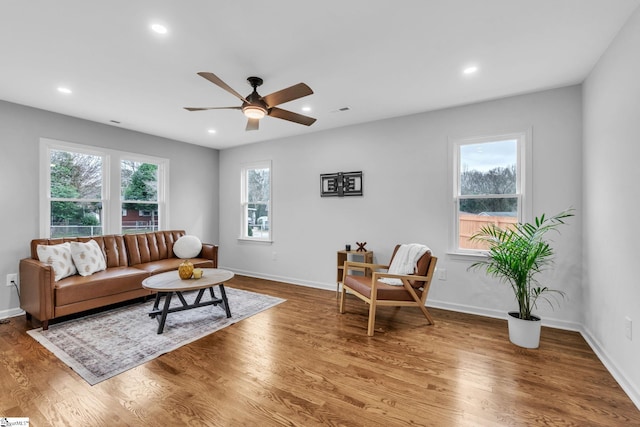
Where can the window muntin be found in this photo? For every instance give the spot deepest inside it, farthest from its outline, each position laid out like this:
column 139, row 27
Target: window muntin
column 256, row 201
column 488, row 186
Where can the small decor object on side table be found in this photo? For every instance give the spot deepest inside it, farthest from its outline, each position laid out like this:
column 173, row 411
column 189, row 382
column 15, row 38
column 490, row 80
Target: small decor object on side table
column 361, row 247
column 347, row 248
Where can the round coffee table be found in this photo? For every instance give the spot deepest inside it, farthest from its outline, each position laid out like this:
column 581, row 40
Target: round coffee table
column 169, row 283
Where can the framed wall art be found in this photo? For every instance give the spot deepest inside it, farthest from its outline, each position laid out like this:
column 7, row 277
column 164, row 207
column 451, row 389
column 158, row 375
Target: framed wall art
column 341, row 184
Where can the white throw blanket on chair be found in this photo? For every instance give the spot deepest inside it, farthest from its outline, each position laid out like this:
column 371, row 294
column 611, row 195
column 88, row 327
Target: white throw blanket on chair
column 405, row 262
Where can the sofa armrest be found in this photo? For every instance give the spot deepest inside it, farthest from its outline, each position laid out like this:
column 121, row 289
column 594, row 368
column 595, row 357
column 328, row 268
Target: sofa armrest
column 210, row 251
column 36, row 288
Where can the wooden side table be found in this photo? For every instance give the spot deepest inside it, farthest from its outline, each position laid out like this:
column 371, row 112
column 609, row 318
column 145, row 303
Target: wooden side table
column 352, row 256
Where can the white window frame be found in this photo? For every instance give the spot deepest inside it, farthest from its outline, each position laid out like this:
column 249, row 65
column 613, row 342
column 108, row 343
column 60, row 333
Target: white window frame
column 111, row 200
column 162, row 190
column 523, row 181
column 265, row 164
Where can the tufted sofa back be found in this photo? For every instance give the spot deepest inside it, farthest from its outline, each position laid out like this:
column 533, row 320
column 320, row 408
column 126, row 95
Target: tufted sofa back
column 124, row 250
column 150, row 247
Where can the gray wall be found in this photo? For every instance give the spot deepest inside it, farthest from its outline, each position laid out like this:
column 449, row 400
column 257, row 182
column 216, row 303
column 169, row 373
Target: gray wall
column 193, row 186
column 611, row 204
column 407, row 197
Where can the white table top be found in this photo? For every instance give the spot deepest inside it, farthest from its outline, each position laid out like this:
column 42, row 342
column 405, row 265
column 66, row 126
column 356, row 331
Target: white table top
column 170, row 281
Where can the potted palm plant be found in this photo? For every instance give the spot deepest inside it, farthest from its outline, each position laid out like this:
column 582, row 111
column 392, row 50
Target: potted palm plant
column 515, row 256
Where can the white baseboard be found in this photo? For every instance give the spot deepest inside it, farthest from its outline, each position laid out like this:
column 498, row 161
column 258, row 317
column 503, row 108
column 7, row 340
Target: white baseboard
column 498, row 314
column 309, row 284
column 12, row 312
column 628, row 388
column 468, row 309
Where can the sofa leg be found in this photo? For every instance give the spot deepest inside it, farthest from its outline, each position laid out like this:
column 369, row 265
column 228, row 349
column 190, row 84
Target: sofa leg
column 45, row 325
column 28, row 316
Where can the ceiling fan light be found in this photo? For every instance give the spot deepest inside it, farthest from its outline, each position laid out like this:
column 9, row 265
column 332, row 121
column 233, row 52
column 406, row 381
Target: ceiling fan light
column 254, row 112
column 159, row 28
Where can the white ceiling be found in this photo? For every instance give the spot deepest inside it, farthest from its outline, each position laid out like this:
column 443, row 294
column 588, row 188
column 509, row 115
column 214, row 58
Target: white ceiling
column 380, row 58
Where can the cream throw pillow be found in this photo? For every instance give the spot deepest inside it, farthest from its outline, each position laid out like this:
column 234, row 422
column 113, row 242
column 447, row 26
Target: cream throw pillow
column 59, row 258
column 88, row 257
column 187, row 246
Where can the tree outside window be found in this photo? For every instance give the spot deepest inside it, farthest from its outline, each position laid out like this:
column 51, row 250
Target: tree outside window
column 139, row 195
column 80, row 195
column 75, row 194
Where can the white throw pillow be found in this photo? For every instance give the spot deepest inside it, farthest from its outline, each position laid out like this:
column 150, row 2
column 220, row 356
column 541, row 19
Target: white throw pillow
column 88, row 257
column 59, row 258
column 187, row 247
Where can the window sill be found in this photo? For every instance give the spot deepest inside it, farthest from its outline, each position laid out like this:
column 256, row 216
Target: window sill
column 467, row 256
column 259, row 241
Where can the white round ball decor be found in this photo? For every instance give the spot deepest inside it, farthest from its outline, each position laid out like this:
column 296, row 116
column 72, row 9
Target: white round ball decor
column 187, row 247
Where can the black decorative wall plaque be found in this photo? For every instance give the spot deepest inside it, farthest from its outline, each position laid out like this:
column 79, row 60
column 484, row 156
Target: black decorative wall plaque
column 341, row 184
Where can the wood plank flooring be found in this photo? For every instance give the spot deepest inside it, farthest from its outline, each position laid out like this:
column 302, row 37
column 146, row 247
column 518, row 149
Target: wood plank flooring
column 301, row 363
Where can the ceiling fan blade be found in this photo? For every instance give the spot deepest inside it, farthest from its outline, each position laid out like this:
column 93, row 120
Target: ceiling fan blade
column 288, row 94
column 291, row 116
column 217, row 81
column 253, row 124
column 211, row 108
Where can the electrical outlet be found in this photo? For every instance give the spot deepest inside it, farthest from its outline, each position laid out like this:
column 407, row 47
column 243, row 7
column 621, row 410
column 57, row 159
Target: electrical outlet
column 442, row 274
column 13, row 277
column 628, row 328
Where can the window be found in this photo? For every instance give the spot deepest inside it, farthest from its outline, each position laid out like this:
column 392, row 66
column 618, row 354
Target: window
column 75, row 193
column 488, row 185
column 256, row 201
column 76, row 199
column 139, row 196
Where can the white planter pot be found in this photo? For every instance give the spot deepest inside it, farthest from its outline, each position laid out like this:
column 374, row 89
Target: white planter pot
column 524, row 333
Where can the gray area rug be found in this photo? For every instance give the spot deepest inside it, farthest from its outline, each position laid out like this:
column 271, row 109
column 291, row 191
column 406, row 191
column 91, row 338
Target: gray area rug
column 103, row 345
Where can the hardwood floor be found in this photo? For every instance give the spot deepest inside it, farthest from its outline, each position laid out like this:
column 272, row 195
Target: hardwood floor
column 301, row 363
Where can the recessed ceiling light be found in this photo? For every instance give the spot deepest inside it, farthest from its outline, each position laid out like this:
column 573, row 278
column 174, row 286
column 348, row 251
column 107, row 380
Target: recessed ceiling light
column 470, row 70
column 306, row 109
column 159, row 28
column 212, row 131
column 64, row 90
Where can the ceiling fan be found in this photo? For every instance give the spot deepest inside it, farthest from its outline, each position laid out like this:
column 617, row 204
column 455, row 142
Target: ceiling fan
column 255, row 106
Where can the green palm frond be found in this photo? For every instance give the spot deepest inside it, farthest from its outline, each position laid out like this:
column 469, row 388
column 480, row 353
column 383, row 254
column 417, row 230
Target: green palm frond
column 517, row 254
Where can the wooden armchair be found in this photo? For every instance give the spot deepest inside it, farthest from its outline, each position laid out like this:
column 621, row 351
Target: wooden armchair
column 369, row 288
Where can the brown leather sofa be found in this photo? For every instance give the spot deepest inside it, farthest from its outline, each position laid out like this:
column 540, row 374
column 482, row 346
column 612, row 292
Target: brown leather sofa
column 130, row 258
